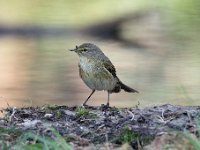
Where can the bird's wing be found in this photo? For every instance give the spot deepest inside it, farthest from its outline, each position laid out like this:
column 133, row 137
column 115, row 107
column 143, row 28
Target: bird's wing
column 80, row 71
column 110, row 67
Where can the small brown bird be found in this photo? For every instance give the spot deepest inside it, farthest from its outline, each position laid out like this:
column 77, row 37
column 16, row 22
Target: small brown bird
column 97, row 71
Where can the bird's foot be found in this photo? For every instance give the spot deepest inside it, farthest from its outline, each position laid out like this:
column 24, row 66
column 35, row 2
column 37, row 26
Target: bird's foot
column 104, row 107
column 85, row 105
column 107, row 105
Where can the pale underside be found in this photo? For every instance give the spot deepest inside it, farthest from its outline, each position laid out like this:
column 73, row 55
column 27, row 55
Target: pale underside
column 95, row 75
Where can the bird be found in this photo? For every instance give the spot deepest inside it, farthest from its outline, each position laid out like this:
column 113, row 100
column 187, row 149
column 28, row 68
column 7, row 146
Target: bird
column 97, row 71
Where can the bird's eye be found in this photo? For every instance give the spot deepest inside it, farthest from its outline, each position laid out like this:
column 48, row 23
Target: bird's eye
column 84, row 50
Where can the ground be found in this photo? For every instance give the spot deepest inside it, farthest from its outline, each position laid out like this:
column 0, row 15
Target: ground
column 102, row 127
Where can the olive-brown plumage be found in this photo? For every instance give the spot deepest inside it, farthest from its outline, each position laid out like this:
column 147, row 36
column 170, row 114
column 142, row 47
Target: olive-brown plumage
column 97, row 71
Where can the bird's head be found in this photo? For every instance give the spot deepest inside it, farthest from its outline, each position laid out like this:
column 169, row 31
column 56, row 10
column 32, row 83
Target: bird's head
column 87, row 49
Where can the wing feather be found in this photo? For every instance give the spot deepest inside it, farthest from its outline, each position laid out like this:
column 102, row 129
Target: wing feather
column 110, row 67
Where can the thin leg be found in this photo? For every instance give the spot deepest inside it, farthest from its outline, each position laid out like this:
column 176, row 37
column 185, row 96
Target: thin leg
column 108, row 99
column 84, row 104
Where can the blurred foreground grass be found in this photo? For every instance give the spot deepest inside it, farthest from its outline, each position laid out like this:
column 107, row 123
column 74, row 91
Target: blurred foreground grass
column 12, row 138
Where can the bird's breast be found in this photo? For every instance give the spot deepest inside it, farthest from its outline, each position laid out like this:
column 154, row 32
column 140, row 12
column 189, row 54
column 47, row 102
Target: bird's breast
column 87, row 64
column 95, row 75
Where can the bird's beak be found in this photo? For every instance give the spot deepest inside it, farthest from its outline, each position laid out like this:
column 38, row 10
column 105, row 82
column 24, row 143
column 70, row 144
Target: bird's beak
column 75, row 50
column 72, row 49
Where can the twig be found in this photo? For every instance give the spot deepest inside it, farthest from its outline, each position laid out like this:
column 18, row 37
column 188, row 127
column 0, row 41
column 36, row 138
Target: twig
column 13, row 113
column 163, row 111
column 107, row 144
column 133, row 116
column 189, row 116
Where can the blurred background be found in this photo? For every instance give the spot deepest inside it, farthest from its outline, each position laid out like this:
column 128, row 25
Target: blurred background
column 154, row 45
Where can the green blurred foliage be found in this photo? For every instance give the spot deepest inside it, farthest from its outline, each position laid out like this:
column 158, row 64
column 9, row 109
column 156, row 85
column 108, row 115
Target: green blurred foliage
column 63, row 12
column 183, row 18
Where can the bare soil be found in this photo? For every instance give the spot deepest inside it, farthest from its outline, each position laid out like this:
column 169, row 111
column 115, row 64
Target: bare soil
column 83, row 127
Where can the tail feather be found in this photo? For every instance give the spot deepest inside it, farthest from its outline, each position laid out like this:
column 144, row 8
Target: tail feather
column 127, row 89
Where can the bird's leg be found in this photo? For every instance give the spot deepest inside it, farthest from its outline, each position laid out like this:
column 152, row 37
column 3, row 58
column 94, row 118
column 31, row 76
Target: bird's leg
column 84, row 104
column 108, row 99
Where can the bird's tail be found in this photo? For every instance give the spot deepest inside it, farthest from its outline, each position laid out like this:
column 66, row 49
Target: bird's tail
column 127, row 89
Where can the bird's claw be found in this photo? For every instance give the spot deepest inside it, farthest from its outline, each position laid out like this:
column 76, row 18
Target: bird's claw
column 104, row 107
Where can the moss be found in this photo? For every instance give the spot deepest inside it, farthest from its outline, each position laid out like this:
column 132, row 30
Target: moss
column 127, row 135
column 52, row 107
column 134, row 138
column 83, row 112
column 58, row 114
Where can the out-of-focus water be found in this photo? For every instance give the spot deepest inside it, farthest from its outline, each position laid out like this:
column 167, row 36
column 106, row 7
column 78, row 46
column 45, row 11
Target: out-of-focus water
column 42, row 71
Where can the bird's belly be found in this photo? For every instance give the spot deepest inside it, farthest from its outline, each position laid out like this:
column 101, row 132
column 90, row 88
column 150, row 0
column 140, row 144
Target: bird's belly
column 97, row 78
column 99, row 83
